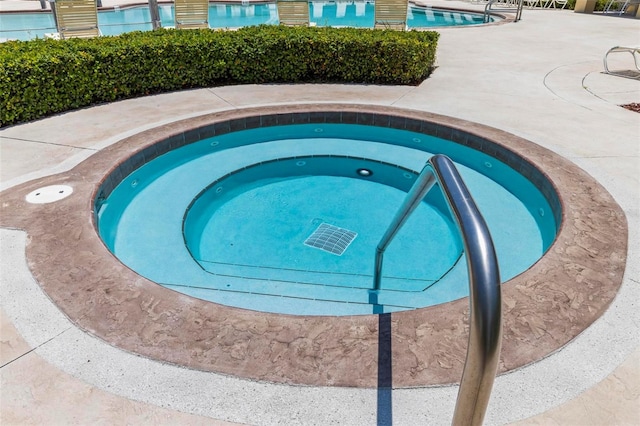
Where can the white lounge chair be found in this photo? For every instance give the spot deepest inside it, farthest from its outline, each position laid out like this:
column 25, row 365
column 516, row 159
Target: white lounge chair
column 555, row 4
column 191, row 14
column 76, row 18
column 293, row 12
column 621, row 7
column 391, row 14
column 533, row 3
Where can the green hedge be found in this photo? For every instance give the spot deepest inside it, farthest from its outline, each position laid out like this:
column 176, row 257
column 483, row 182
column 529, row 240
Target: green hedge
column 599, row 6
column 44, row 77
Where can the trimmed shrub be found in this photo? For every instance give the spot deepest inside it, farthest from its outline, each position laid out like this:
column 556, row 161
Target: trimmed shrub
column 599, row 7
column 44, row 77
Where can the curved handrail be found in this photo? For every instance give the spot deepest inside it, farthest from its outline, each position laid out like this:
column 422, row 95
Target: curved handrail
column 518, row 9
column 485, row 331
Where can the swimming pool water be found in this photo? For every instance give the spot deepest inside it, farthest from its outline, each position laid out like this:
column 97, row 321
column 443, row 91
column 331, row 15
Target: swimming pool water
column 225, row 219
column 262, row 214
column 26, row 26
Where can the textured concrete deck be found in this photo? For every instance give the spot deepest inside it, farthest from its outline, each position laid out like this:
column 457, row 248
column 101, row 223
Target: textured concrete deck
column 512, row 77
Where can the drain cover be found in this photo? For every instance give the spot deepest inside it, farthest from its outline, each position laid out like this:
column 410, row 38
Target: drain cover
column 331, row 239
column 49, row 194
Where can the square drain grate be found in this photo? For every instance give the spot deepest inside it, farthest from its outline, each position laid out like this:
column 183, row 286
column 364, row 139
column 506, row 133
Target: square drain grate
column 331, row 239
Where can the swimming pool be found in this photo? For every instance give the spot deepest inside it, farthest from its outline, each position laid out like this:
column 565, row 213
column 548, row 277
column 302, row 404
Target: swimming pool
column 26, row 26
column 230, row 218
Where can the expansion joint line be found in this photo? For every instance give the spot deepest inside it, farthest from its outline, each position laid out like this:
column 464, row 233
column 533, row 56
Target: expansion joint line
column 37, row 347
column 51, row 143
column 213, row 92
column 545, row 82
column 411, row 90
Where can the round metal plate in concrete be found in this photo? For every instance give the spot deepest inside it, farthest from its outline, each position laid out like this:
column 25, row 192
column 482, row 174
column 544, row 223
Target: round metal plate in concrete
column 49, row 194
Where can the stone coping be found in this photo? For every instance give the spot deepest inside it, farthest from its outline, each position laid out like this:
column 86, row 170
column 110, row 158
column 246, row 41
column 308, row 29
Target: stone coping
column 543, row 308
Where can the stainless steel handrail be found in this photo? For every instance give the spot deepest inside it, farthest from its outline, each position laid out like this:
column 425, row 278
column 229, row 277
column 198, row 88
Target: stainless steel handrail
column 519, row 4
column 485, row 331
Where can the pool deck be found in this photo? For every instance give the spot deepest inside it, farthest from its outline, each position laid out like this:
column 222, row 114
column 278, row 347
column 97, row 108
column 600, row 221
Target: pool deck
column 540, row 79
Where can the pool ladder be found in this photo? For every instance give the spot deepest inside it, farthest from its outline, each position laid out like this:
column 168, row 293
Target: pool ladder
column 485, row 330
column 513, row 6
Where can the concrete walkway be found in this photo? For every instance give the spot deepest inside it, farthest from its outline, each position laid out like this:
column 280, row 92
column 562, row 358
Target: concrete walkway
column 540, row 79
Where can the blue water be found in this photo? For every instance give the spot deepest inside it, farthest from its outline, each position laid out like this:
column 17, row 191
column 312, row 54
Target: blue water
column 199, row 221
column 289, row 199
column 27, row 26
